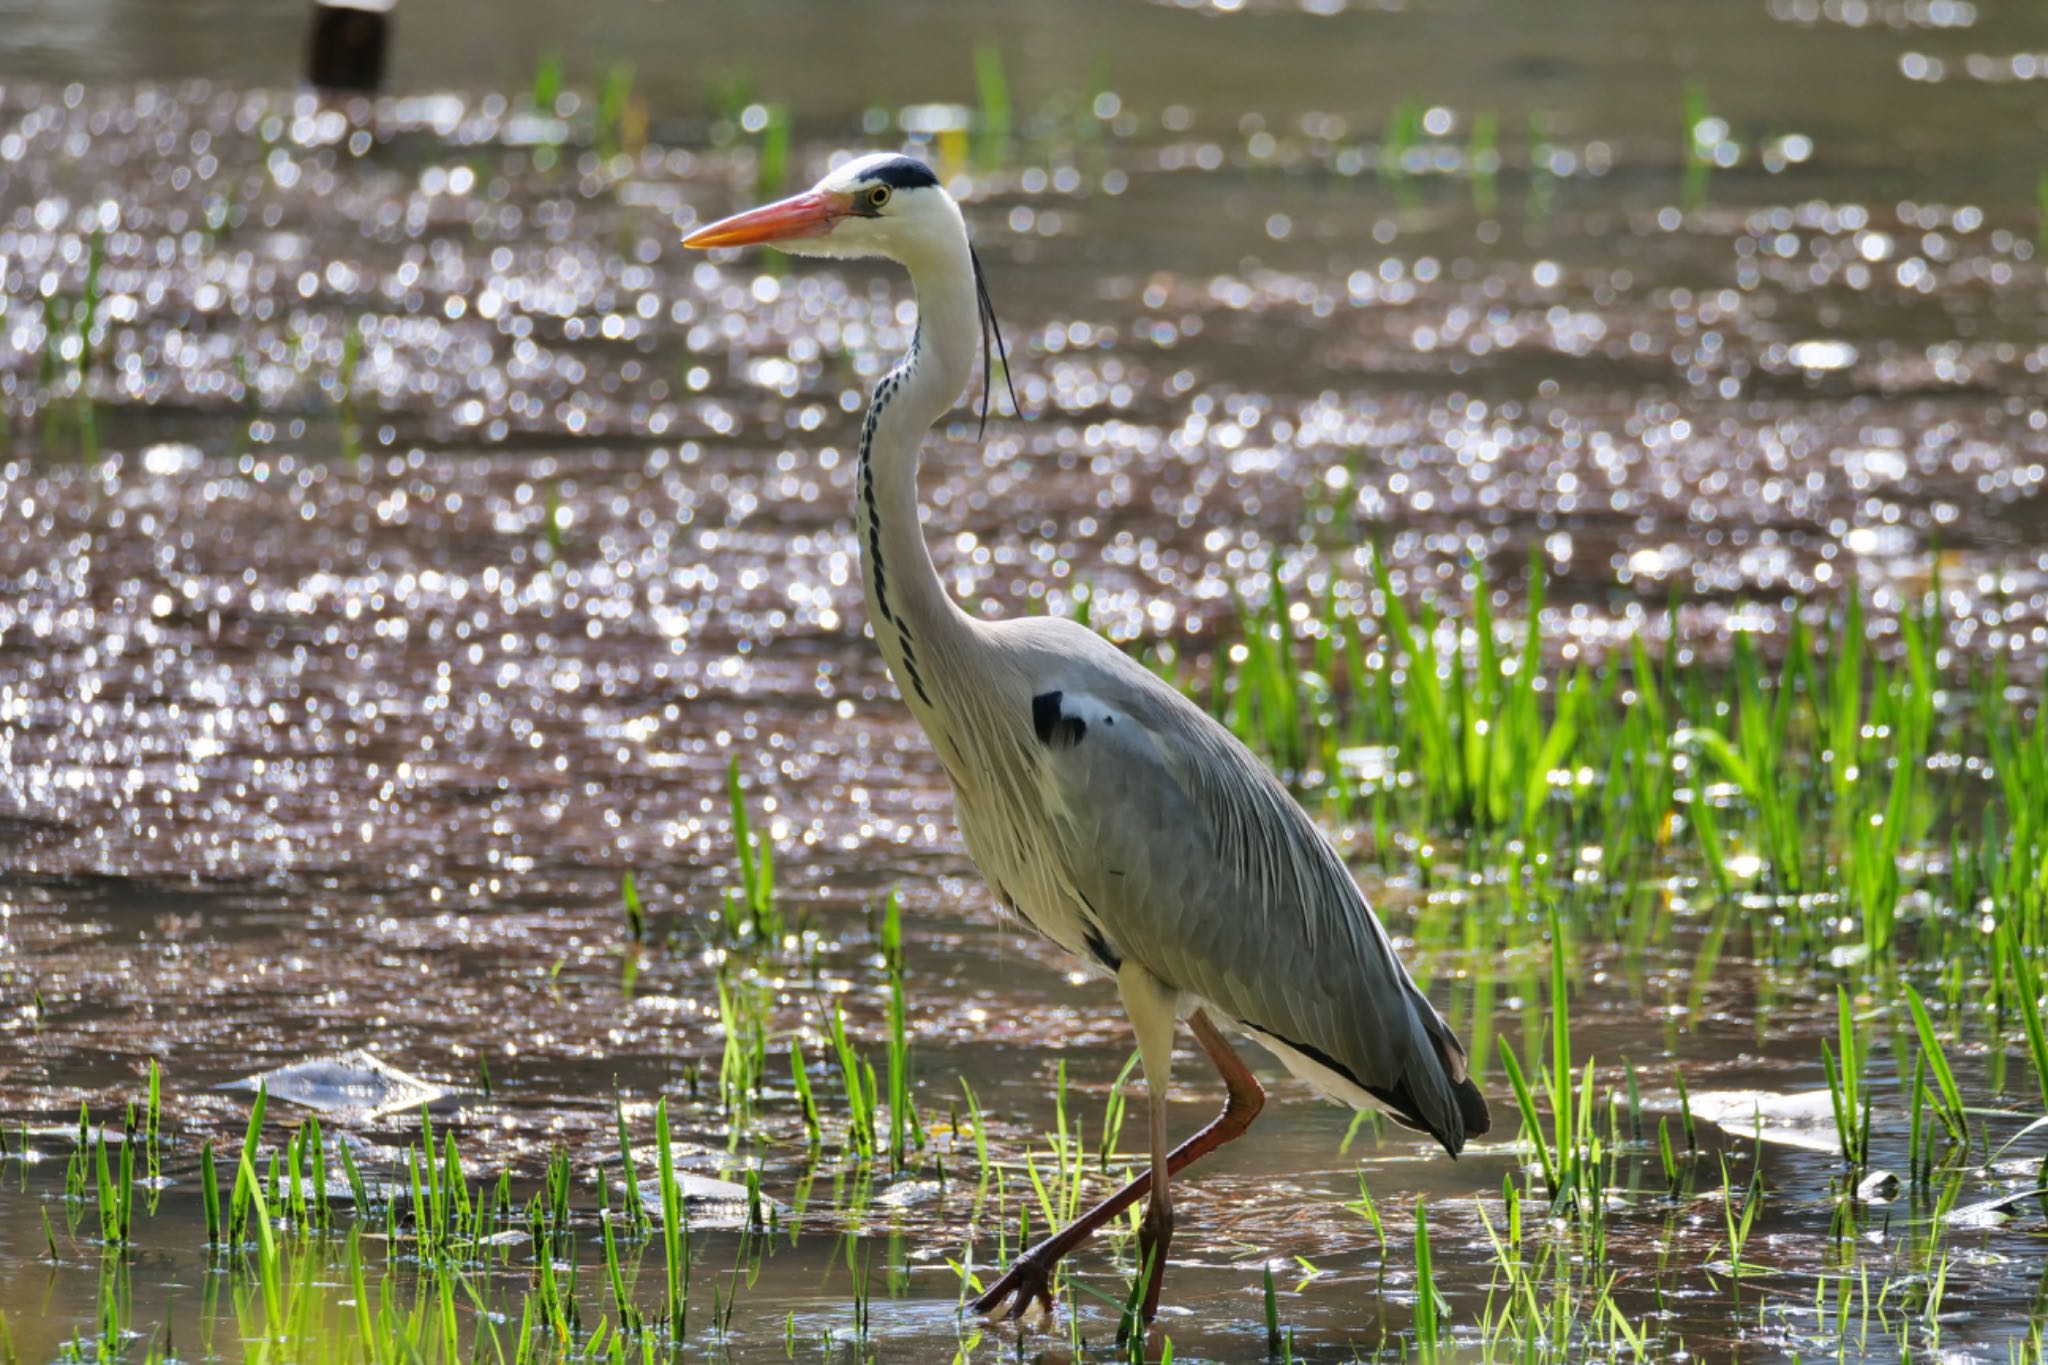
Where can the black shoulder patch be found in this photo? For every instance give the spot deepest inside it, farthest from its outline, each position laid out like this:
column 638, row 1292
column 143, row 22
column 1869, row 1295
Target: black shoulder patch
column 904, row 173
column 1045, row 713
column 1055, row 731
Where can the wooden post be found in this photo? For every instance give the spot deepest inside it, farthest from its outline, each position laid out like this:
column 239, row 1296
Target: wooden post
column 345, row 46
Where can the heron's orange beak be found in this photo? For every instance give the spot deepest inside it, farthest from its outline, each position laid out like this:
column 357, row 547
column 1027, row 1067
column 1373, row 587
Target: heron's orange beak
column 810, row 214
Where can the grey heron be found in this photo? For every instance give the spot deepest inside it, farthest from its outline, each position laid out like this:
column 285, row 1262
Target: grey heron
column 1107, row 811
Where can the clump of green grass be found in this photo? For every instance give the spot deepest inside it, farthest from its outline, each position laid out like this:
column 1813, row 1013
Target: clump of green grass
column 152, row 1125
column 345, row 391
column 743, row 1023
column 1482, row 162
column 750, row 907
column 674, row 1236
column 237, row 1224
column 1851, row 1100
column 1367, row 1209
column 1270, row 696
column 546, row 89
column 1113, row 1114
column 73, row 340
column 772, row 173
column 800, row 1076
column 209, row 1196
column 2026, row 989
column 1697, row 154
column 115, row 1185
column 636, row 912
column 553, row 520
column 621, row 117
column 904, row 1129
column 1272, row 1313
column 267, row 1259
column 1948, row 1106
column 1738, row 1223
column 996, row 121
column 1811, row 778
column 1429, row 1305
column 857, row 1084
column 1398, row 142
column 1570, row 1155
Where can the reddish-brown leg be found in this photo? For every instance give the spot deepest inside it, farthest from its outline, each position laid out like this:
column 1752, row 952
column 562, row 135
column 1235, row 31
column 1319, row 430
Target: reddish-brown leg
column 1029, row 1280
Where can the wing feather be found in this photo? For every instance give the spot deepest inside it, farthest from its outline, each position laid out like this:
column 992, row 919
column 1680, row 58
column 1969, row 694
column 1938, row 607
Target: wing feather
column 1202, row 868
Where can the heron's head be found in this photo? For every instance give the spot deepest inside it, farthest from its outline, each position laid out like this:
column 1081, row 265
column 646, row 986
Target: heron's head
column 885, row 205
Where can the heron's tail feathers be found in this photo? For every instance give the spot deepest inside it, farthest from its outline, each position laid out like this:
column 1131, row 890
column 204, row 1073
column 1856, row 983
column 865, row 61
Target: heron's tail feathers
column 1446, row 1105
column 1450, row 1054
column 1472, row 1107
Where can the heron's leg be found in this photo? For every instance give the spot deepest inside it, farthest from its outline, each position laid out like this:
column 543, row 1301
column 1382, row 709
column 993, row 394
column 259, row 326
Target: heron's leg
column 1149, row 1002
column 1029, row 1280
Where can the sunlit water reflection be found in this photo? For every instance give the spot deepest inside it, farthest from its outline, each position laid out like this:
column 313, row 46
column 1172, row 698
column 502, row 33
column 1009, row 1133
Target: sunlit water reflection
column 438, row 532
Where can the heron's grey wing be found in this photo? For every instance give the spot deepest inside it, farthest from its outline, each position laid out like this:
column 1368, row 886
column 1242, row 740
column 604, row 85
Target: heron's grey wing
column 1194, row 861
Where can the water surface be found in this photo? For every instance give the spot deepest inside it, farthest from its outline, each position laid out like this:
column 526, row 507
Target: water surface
column 313, row 736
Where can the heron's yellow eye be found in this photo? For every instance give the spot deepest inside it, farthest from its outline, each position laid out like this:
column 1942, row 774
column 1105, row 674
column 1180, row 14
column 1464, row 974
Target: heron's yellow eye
column 877, row 197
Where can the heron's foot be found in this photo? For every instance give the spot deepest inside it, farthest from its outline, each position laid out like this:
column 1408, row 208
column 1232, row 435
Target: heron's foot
column 1155, row 1235
column 1028, row 1282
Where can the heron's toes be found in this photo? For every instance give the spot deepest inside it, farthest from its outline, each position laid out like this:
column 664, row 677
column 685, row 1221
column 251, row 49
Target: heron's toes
column 1155, row 1236
column 1026, row 1282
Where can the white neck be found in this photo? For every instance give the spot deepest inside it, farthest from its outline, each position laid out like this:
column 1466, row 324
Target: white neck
column 915, row 620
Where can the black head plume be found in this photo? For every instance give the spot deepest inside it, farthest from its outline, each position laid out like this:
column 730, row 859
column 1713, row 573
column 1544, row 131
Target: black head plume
column 990, row 328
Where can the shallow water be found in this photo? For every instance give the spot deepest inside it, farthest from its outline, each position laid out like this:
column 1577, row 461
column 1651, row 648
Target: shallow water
column 313, row 737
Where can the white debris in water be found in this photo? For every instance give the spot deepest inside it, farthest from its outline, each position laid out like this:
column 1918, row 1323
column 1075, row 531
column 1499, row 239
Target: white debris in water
column 709, row 1203
column 170, row 458
column 358, row 1083
column 1875, row 464
column 1798, row 1118
column 905, row 1193
column 1992, row 1213
column 1822, row 355
column 1877, row 540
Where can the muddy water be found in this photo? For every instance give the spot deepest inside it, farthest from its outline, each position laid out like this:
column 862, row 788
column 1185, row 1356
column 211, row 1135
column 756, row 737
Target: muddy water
column 313, row 735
